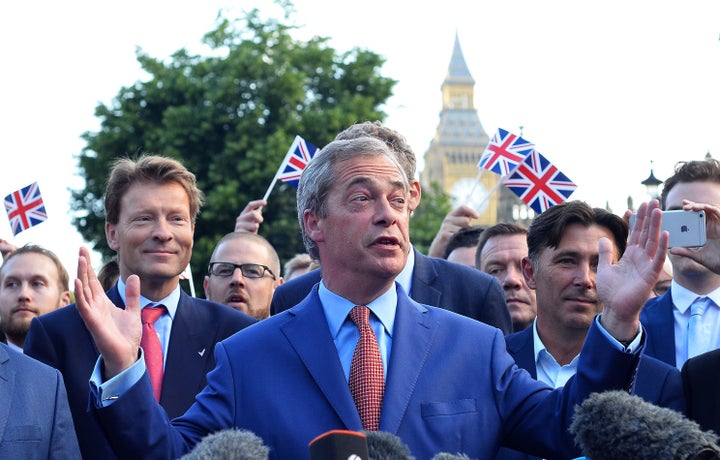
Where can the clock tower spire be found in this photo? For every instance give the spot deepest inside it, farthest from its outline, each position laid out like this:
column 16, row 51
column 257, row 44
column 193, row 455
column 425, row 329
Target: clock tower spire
column 460, row 139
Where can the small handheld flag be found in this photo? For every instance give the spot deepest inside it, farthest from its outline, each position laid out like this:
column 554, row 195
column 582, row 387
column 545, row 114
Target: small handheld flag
column 502, row 155
column 539, row 183
column 295, row 162
column 505, row 152
column 25, row 208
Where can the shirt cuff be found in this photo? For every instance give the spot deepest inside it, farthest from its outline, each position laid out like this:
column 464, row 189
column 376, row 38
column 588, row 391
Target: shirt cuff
column 106, row 393
column 633, row 347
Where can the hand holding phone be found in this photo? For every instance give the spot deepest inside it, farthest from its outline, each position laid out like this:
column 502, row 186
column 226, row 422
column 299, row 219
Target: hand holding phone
column 687, row 228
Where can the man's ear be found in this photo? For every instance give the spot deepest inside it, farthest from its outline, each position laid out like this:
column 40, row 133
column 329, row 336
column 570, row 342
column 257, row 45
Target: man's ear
column 414, row 194
column 528, row 271
column 111, row 236
column 313, row 226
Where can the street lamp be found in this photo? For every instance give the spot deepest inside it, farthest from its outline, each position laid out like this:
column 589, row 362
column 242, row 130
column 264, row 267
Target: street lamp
column 652, row 183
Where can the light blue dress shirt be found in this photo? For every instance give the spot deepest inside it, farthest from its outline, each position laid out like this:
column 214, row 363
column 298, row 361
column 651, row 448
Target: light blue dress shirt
column 346, row 334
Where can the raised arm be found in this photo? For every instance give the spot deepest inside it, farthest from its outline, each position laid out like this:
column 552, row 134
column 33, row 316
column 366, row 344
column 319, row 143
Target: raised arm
column 456, row 219
column 251, row 217
column 116, row 331
column 624, row 287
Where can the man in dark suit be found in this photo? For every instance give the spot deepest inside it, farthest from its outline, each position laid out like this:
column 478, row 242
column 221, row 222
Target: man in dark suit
column 445, row 382
column 701, row 373
column 431, row 281
column 35, row 421
column 671, row 337
column 150, row 208
column 560, row 267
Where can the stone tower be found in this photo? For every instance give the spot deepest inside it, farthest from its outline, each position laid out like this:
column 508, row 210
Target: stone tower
column 460, row 139
column 455, row 150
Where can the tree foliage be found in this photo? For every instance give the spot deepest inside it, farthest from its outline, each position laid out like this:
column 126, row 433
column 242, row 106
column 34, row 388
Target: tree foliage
column 427, row 218
column 230, row 116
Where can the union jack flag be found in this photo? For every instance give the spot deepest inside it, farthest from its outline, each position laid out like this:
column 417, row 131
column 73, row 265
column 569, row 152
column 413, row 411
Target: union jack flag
column 504, row 152
column 296, row 160
column 539, row 183
column 25, row 208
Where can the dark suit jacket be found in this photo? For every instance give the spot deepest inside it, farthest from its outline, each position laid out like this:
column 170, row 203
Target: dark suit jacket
column 450, row 387
column 701, row 379
column 35, row 421
column 659, row 322
column 437, row 282
column 61, row 340
column 656, row 382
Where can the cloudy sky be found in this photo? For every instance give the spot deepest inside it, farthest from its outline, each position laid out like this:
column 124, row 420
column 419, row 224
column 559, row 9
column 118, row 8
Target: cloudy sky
column 601, row 87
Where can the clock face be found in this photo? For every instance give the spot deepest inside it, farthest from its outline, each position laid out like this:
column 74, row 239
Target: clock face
column 471, row 192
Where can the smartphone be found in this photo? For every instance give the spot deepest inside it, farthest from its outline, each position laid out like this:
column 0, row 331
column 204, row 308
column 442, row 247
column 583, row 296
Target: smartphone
column 686, row 228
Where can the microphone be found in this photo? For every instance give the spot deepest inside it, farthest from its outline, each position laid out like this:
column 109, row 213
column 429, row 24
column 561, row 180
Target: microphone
column 339, row 445
column 386, row 446
column 616, row 425
column 446, row 456
column 229, row 444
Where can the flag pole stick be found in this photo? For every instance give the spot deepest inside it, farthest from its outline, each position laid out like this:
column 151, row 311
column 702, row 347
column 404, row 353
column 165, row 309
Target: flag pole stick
column 282, row 165
column 272, row 185
column 472, row 190
column 487, row 197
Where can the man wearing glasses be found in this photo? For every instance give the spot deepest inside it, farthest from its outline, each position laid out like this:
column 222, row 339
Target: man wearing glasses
column 243, row 273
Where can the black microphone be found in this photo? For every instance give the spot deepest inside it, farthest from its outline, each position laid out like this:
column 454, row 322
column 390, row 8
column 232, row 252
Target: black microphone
column 446, row 456
column 229, row 444
column 339, row 445
column 386, row 446
column 616, row 425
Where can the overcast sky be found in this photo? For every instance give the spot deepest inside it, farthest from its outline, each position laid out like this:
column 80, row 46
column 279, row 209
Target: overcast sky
column 601, row 87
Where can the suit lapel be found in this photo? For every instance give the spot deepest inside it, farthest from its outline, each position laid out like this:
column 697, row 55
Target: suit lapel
column 660, row 326
column 521, row 348
column 424, row 277
column 7, row 383
column 187, row 356
column 412, row 338
column 309, row 334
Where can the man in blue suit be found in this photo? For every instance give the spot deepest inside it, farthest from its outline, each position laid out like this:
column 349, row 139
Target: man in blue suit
column 150, row 208
column 428, row 280
column 667, row 317
column 35, row 421
column 561, row 268
column 449, row 384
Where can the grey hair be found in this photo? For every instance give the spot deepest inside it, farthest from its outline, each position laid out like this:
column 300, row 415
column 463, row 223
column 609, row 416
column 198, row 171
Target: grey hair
column 320, row 176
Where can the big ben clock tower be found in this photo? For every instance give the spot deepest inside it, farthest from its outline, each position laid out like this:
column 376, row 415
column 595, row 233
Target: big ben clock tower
column 452, row 157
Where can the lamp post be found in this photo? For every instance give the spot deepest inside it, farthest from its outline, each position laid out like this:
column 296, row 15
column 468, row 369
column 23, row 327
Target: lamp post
column 652, row 183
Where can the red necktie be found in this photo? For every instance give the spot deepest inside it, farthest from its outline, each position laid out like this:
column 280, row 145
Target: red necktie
column 152, row 349
column 367, row 382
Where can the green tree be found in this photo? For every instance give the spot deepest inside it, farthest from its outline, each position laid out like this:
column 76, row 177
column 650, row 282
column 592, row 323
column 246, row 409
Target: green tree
column 230, row 116
column 427, row 218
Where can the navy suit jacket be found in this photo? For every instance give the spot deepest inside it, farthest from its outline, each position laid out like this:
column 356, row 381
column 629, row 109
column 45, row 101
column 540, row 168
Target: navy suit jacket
column 437, row 282
column 659, row 322
column 701, row 375
column 61, row 340
column 656, row 382
column 35, row 421
column 450, row 387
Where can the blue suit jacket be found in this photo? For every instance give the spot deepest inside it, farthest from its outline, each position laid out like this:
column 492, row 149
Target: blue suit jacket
column 35, row 421
column 656, row 382
column 61, row 340
column 659, row 322
column 437, row 282
column 451, row 387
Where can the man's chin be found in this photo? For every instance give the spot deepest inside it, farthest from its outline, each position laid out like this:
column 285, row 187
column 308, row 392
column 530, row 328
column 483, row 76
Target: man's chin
column 240, row 306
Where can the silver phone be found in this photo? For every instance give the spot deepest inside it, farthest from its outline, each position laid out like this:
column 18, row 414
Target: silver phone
column 686, row 228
